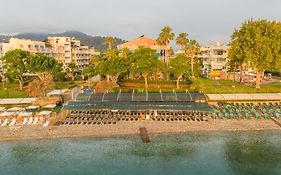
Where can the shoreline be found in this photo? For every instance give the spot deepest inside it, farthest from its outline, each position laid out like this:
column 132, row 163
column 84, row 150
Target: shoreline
column 132, row 128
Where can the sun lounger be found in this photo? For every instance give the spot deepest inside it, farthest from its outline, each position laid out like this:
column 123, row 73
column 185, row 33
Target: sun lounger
column 46, row 123
column 36, row 119
column 5, row 123
column 13, row 122
column 25, row 120
column 30, row 121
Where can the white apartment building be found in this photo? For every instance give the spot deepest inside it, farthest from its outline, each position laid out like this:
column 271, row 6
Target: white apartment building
column 64, row 49
column 68, row 49
column 4, row 48
column 214, row 58
column 23, row 44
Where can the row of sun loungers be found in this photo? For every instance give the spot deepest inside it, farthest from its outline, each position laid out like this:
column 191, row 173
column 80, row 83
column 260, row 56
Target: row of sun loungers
column 246, row 111
column 89, row 122
column 26, row 121
column 99, row 117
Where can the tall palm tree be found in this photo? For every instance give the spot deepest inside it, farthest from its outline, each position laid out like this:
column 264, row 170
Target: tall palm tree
column 164, row 39
column 192, row 49
column 109, row 41
column 182, row 41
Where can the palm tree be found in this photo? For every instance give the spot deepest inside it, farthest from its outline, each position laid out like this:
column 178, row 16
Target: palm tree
column 109, row 41
column 182, row 41
column 192, row 49
column 164, row 39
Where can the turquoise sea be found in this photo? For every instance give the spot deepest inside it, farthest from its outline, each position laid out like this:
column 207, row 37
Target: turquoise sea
column 215, row 153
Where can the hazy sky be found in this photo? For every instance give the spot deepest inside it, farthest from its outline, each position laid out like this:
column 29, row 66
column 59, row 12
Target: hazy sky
column 205, row 20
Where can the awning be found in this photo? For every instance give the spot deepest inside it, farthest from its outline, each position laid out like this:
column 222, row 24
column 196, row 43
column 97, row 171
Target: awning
column 25, row 114
column 7, row 114
column 50, row 106
column 45, row 113
column 32, row 107
column 57, row 92
column 14, row 109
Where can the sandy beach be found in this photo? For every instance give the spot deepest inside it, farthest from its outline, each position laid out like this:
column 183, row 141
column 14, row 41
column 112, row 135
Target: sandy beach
column 132, row 128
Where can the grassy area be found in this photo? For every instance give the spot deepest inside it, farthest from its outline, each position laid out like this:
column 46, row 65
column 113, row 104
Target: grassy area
column 156, row 82
column 210, row 86
column 65, row 84
column 11, row 90
column 12, row 93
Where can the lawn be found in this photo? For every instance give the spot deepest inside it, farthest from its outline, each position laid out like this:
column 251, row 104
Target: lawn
column 209, row 86
column 11, row 90
column 12, row 93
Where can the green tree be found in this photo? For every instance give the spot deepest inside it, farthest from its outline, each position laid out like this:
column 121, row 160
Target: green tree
column 42, row 65
column 257, row 43
column 113, row 68
column 16, row 64
column 164, row 39
column 179, row 66
column 182, row 41
column 125, row 52
column 192, row 49
column 89, row 71
column 144, row 61
column 71, row 70
column 109, row 41
column 109, row 53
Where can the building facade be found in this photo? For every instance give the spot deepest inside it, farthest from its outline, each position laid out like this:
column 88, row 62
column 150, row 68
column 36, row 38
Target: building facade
column 214, row 58
column 143, row 41
column 31, row 46
column 63, row 49
column 69, row 49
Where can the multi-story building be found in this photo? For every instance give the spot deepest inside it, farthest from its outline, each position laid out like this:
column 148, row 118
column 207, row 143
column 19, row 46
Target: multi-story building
column 4, row 48
column 214, row 58
column 23, row 44
column 28, row 45
column 143, row 41
column 64, row 49
column 69, row 49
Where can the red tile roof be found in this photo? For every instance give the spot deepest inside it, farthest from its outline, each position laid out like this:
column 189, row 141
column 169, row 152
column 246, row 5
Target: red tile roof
column 141, row 41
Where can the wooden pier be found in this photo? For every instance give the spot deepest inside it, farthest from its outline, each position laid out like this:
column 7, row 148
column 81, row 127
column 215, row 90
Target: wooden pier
column 144, row 135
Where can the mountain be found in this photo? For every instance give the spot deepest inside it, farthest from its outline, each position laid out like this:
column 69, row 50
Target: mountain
column 88, row 40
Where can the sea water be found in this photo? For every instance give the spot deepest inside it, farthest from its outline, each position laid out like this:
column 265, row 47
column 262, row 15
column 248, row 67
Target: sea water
column 213, row 153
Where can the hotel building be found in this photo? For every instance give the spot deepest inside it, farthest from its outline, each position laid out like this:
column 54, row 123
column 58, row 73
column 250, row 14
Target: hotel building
column 214, row 58
column 68, row 49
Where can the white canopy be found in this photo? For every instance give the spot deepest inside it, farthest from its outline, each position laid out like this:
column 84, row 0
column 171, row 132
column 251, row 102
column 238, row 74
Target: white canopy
column 7, row 114
column 25, row 114
column 45, row 113
column 8, row 101
column 16, row 109
column 57, row 92
column 52, row 106
column 32, row 107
